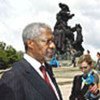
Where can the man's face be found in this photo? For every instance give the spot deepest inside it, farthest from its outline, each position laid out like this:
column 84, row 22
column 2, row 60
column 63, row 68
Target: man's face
column 85, row 68
column 43, row 46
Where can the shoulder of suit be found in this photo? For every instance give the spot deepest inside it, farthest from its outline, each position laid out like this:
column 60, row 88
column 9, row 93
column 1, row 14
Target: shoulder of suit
column 10, row 72
column 4, row 71
column 95, row 72
column 78, row 77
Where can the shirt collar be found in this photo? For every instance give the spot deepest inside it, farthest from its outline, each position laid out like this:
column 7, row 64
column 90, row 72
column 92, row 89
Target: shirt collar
column 35, row 64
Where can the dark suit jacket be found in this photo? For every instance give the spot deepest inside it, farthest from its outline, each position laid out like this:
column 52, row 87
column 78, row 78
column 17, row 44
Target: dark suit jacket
column 77, row 92
column 22, row 82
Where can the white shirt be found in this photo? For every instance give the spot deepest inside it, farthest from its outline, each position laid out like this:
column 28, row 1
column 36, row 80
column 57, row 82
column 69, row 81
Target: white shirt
column 36, row 65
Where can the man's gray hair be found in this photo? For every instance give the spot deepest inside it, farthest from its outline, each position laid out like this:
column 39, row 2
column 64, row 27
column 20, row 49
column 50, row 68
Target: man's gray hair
column 33, row 30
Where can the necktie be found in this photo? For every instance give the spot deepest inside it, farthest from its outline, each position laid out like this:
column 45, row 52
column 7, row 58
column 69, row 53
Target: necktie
column 43, row 70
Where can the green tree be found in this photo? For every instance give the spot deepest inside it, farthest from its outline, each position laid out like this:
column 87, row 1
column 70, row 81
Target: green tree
column 8, row 55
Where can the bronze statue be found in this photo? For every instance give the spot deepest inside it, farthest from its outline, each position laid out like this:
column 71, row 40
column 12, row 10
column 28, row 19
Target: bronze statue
column 64, row 34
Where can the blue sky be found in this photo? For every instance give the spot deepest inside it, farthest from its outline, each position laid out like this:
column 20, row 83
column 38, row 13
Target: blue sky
column 16, row 14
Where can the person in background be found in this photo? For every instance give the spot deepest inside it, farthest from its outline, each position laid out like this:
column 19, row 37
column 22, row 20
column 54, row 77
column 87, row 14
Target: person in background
column 73, row 58
column 98, row 62
column 32, row 78
column 88, row 53
column 85, row 86
column 54, row 62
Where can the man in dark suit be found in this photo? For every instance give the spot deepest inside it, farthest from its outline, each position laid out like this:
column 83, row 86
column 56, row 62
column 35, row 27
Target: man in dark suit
column 25, row 81
column 86, row 86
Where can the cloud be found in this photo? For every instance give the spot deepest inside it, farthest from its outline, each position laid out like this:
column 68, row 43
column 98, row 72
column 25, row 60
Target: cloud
column 87, row 13
column 16, row 14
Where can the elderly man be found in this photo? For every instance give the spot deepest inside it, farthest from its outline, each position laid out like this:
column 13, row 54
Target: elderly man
column 32, row 78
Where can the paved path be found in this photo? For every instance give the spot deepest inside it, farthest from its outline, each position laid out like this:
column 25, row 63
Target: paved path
column 64, row 77
column 65, row 90
column 65, row 85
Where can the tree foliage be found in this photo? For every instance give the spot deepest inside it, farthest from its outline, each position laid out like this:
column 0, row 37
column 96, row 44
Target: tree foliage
column 8, row 55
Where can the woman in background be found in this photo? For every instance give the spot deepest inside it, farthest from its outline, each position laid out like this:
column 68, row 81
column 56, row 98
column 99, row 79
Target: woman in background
column 85, row 86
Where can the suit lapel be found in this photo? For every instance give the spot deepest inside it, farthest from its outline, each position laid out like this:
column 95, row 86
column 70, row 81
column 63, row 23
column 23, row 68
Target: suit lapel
column 84, row 87
column 50, row 72
column 37, row 81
